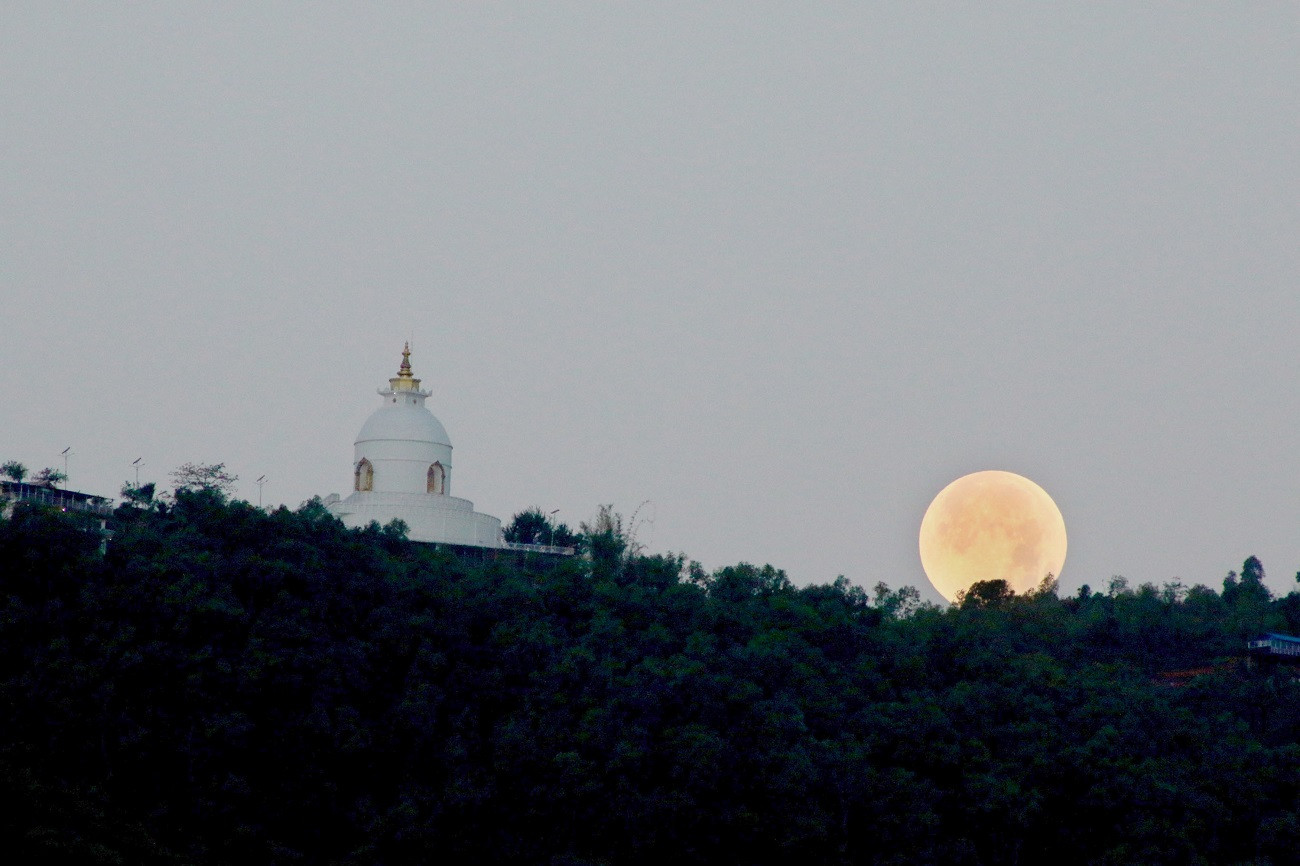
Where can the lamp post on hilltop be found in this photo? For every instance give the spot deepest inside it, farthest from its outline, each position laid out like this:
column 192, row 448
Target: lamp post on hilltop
column 137, row 463
column 66, row 452
column 260, row 482
column 551, row 521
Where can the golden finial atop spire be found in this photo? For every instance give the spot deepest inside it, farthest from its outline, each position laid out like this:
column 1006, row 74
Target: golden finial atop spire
column 404, row 371
column 405, row 380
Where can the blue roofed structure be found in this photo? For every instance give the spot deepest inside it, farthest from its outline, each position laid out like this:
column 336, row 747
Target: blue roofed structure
column 1271, row 645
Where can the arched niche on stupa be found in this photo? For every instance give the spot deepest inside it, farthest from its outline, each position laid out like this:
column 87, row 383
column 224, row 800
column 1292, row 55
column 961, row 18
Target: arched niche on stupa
column 437, row 478
column 364, row 479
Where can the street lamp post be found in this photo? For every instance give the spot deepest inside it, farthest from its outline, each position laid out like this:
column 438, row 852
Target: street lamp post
column 260, row 482
column 551, row 522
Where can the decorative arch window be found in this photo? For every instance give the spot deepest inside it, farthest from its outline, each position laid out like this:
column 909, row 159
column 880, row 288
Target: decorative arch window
column 365, row 476
column 437, row 479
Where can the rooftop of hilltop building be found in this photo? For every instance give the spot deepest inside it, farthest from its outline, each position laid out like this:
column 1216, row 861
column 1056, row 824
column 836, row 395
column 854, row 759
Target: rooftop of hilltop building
column 21, row 491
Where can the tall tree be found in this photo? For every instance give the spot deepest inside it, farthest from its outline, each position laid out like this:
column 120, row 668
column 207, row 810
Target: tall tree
column 49, row 477
column 534, row 526
column 211, row 477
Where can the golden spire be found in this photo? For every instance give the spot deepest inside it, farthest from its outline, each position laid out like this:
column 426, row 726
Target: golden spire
column 405, row 380
column 404, row 371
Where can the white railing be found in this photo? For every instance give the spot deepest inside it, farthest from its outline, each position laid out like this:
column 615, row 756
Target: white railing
column 538, row 548
column 55, row 498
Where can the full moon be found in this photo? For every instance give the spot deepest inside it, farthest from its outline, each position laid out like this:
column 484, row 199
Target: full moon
column 988, row 526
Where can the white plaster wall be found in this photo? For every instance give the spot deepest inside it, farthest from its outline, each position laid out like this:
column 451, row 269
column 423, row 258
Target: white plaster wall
column 402, row 466
column 430, row 518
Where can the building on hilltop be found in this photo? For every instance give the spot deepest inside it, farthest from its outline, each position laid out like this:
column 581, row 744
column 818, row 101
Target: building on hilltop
column 12, row 492
column 402, row 471
column 95, row 509
column 1272, row 646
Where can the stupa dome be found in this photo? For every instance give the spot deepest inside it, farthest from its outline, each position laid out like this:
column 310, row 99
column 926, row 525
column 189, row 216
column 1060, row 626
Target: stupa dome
column 403, row 421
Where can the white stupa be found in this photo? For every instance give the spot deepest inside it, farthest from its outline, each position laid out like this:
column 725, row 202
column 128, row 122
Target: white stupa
column 402, row 470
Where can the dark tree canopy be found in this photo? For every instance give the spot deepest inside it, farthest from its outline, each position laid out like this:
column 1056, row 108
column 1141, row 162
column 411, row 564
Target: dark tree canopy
column 535, row 526
column 226, row 685
column 49, row 477
column 138, row 495
column 986, row 593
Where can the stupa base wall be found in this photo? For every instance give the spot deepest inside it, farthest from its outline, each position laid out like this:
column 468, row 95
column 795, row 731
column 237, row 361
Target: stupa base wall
column 429, row 517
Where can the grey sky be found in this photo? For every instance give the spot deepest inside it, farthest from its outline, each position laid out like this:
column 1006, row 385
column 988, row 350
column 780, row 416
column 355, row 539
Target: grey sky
column 783, row 271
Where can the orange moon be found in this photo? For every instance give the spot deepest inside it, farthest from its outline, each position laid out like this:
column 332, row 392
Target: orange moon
column 991, row 525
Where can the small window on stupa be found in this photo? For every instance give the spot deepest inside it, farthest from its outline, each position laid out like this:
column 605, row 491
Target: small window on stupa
column 365, row 477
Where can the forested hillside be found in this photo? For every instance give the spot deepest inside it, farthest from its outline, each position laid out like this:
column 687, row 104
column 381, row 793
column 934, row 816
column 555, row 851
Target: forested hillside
column 228, row 686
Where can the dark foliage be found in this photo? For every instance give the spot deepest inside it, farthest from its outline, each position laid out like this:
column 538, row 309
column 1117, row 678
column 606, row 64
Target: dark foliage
column 534, row 526
column 226, row 685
